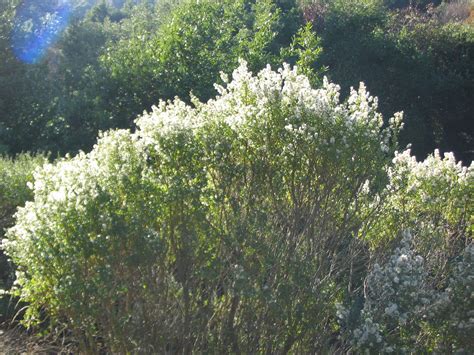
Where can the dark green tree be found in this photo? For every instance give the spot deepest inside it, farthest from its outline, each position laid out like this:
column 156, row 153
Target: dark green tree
column 186, row 54
column 413, row 63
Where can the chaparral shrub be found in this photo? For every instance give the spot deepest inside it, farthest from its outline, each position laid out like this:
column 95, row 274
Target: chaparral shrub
column 396, row 298
column 225, row 226
column 403, row 311
column 14, row 176
column 239, row 224
column 434, row 199
column 420, row 299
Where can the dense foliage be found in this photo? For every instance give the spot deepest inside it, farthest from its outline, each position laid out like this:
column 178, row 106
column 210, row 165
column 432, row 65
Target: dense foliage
column 411, row 60
column 108, row 67
column 186, row 54
column 14, row 176
column 114, row 61
column 269, row 213
column 232, row 225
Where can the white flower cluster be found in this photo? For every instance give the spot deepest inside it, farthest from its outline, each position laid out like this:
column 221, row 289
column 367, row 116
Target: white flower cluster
column 434, row 169
column 429, row 197
column 167, row 118
column 63, row 191
column 396, row 297
column 283, row 98
column 400, row 304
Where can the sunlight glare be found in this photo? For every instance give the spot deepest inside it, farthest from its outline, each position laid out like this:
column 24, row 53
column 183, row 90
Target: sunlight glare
column 37, row 26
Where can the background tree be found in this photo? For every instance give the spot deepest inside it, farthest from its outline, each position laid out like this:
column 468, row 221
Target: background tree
column 411, row 61
column 197, row 41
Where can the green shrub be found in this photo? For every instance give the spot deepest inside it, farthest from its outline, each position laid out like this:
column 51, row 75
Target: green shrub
column 230, row 226
column 14, row 176
column 403, row 311
column 433, row 198
column 186, row 54
column 419, row 299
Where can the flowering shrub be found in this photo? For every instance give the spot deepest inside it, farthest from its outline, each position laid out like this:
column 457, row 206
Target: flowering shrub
column 433, row 198
column 396, row 298
column 410, row 302
column 453, row 317
column 14, row 175
column 230, row 225
column 235, row 225
column 402, row 312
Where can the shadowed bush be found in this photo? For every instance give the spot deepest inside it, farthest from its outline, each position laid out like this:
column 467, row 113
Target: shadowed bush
column 14, row 176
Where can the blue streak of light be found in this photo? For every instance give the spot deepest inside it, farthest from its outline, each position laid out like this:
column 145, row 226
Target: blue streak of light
column 37, row 26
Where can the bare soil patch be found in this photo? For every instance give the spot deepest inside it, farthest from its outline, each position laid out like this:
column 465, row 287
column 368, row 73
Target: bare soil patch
column 17, row 341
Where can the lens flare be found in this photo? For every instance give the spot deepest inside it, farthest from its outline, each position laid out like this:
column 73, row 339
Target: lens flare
column 37, row 26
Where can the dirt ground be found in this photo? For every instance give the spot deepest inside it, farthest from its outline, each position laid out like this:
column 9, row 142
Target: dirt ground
column 13, row 342
column 16, row 342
